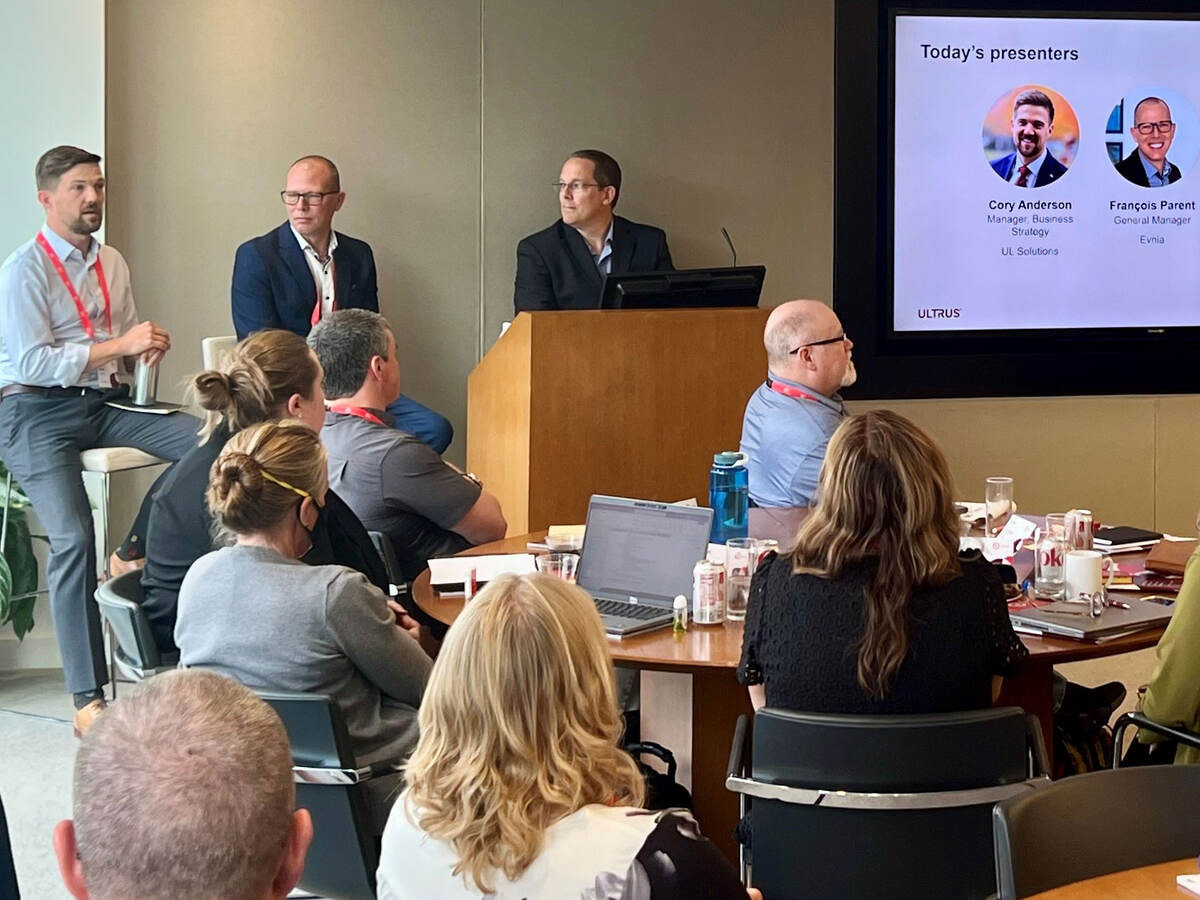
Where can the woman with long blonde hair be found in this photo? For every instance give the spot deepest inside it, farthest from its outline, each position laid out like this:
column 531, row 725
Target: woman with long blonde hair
column 875, row 610
column 517, row 787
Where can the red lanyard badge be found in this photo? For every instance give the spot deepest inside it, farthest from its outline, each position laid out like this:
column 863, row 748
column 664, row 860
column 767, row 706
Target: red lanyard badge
column 84, row 319
column 356, row 411
column 788, row 391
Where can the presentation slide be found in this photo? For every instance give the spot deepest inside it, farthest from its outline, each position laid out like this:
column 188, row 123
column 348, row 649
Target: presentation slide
column 1045, row 173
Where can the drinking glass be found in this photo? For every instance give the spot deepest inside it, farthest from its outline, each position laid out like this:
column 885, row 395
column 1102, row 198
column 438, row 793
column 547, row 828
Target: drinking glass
column 560, row 565
column 1049, row 549
column 740, row 557
column 998, row 498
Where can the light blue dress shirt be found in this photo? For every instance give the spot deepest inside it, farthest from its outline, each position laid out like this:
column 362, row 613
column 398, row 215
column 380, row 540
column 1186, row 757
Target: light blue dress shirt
column 1155, row 177
column 604, row 260
column 42, row 341
column 784, row 439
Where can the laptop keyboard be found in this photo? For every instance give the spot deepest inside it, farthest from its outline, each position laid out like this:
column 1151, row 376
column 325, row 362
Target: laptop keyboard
column 629, row 610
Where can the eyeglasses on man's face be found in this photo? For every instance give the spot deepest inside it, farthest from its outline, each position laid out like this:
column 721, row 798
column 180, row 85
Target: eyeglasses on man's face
column 573, row 187
column 840, row 339
column 1151, row 127
column 312, row 198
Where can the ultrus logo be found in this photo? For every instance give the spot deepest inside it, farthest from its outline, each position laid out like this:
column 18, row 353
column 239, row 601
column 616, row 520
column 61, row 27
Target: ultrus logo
column 938, row 312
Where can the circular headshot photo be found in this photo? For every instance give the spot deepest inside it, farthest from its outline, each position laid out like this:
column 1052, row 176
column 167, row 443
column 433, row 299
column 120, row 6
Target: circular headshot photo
column 1031, row 136
column 1152, row 136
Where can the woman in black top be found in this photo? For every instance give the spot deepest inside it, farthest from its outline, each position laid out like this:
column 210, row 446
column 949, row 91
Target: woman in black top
column 875, row 610
column 270, row 375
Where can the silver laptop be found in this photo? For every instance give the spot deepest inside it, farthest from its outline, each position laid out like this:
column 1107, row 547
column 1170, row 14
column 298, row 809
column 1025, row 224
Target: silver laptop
column 1071, row 620
column 637, row 555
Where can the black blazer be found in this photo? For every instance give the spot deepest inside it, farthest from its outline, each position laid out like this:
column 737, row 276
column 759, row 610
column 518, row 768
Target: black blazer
column 273, row 286
column 555, row 269
column 1132, row 169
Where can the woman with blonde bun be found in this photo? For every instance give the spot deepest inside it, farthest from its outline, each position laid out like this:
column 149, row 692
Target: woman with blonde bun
column 255, row 612
column 269, row 375
column 517, row 787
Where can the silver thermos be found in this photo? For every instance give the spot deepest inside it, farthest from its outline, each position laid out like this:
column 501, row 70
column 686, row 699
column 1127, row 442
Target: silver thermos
column 145, row 383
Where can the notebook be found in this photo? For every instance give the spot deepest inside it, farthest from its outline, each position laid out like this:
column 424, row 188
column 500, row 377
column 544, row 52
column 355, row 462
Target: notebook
column 637, row 555
column 1071, row 620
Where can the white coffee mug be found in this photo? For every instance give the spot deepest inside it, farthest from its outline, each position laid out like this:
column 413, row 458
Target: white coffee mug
column 1083, row 573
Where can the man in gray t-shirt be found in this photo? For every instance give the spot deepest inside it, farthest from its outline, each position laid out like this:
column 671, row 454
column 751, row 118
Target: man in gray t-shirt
column 391, row 479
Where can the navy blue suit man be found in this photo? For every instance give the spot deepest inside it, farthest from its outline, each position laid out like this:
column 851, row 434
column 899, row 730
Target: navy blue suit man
column 1031, row 164
column 295, row 274
column 563, row 266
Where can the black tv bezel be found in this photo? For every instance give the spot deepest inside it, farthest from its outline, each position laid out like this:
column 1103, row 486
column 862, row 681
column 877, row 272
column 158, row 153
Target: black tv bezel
column 896, row 365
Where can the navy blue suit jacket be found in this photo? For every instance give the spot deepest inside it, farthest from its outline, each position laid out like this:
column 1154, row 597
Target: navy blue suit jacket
column 555, row 269
column 1050, row 170
column 273, row 286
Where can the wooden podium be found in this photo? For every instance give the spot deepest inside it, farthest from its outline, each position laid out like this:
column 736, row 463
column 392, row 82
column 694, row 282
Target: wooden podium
column 632, row 403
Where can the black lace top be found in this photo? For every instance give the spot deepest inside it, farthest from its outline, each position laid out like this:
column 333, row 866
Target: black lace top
column 801, row 632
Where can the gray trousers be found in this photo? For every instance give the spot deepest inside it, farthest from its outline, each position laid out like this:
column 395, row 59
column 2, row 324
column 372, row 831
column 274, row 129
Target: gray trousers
column 40, row 441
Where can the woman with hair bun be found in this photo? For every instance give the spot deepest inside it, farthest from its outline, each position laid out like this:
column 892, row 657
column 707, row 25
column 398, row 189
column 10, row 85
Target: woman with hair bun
column 875, row 610
column 255, row 612
column 270, row 375
column 518, row 787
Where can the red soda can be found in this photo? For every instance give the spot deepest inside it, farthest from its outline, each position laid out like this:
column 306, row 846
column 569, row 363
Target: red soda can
column 708, row 593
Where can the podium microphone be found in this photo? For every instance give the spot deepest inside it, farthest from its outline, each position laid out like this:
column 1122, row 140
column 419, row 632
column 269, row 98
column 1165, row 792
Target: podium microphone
column 725, row 234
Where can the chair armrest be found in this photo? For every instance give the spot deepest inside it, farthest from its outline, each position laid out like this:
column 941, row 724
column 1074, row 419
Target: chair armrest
column 1037, row 747
column 737, row 751
column 1140, row 720
column 328, row 775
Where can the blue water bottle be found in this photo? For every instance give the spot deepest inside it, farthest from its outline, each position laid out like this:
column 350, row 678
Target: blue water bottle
column 729, row 496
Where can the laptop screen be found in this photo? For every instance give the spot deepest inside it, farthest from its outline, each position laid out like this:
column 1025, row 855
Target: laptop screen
column 637, row 548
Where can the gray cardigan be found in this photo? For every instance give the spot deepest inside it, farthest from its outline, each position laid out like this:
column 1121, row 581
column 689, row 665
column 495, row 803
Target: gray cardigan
column 276, row 623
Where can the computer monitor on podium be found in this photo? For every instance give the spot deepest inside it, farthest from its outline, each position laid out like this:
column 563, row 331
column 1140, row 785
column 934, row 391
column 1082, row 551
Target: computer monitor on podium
column 683, row 288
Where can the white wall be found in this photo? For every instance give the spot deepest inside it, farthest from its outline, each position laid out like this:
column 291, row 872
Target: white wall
column 52, row 67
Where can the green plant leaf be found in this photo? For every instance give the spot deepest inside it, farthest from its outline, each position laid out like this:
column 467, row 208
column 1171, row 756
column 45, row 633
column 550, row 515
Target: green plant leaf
column 18, row 565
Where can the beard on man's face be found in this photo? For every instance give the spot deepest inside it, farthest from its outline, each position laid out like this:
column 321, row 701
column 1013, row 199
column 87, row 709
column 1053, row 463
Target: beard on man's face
column 850, row 375
column 89, row 220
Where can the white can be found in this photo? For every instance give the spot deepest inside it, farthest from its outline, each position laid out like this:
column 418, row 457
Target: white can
column 708, row 593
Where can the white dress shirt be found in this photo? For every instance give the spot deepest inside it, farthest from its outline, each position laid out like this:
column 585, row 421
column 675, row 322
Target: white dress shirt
column 322, row 272
column 42, row 340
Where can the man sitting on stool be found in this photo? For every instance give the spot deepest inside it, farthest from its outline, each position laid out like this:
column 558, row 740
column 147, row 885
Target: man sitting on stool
column 184, row 789
column 296, row 274
column 67, row 321
column 393, row 482
column 792, row 415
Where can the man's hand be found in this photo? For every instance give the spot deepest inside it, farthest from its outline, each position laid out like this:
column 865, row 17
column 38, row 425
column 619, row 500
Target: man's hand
column 146, row 340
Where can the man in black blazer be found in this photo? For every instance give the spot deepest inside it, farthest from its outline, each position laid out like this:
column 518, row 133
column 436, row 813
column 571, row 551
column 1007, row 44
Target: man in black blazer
column 297, row 273
column 1148, row 166
column 563, row 266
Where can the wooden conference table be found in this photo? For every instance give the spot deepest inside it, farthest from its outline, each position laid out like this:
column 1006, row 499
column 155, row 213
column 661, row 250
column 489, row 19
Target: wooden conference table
column 1145, row 883
column 709, row 654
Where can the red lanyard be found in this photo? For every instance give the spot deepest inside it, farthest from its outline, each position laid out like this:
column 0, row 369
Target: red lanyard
column 356, row 411
column 316, row 313
column 84, row 319
column 788, row 391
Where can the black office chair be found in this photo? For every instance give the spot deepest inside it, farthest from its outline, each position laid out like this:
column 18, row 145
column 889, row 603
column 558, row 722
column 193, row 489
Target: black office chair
column 8, row 872
column 1093, row 824
column 1140, row 721
column 879, row 806
column 401, row 590
column 344, row 854
column 134, row 650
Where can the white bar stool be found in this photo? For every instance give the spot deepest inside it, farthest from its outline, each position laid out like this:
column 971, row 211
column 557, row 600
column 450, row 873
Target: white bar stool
column 105, row 461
